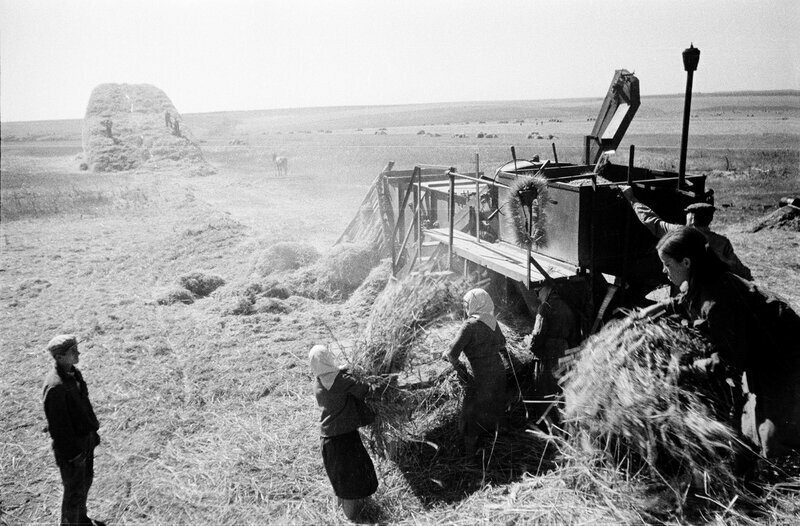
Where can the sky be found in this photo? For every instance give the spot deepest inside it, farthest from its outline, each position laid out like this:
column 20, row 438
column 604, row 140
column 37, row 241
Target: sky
column 223, row 55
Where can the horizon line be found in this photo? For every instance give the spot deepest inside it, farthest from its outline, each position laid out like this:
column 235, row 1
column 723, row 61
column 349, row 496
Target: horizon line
column 412, row 104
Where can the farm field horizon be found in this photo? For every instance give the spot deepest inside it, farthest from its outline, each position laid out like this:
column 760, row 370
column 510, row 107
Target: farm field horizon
column 207, row 412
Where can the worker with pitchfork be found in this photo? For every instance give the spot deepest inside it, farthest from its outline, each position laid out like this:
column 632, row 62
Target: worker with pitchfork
column 483, row 343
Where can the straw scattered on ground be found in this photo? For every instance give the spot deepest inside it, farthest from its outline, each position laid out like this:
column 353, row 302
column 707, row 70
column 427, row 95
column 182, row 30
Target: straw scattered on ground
column 283, row 256
column 201, row 283
column 173, row 295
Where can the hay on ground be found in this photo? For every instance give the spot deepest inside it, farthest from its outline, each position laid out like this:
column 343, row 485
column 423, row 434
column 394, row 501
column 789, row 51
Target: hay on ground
column 346, row 267
column 201, row 284
column 784, row 218
column 271, row 305
column 283, row 256
column 333, row 277
column 360, row 302
column 173, row 295
column 236, row 305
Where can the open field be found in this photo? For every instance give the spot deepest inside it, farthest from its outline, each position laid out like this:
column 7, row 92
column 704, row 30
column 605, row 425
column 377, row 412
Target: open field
column 208, row 416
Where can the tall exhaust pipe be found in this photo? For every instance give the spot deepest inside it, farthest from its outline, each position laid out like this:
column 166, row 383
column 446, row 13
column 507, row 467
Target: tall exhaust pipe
column 691, row 56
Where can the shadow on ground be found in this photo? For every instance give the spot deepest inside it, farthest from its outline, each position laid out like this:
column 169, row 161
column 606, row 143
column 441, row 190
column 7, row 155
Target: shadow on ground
column 439, row 472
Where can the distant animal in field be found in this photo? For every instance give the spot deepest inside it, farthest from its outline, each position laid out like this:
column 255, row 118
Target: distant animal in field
column 281, row 164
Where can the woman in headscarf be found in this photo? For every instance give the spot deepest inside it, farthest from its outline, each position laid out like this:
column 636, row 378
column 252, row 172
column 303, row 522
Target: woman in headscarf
column 346, row 461
column 750, row 330
column 483, row 343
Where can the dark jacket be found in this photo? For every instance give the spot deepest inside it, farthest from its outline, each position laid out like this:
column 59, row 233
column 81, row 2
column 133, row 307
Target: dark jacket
column 750, row 329
column 340, row 414
column 485, row 397
column 483, row 347
column 720, row 244
column 556, row 329
column 70, row 418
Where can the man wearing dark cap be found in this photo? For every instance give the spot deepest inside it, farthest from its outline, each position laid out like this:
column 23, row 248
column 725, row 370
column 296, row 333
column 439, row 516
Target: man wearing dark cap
column 73, row 427
column 698, row 215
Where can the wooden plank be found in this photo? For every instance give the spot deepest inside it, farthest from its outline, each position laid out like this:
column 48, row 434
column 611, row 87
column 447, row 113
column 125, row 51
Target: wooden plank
column 351, row 227
column 502, row 258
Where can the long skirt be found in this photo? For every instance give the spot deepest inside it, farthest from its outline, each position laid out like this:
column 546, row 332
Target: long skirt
column 349, row 466
column 484, row 404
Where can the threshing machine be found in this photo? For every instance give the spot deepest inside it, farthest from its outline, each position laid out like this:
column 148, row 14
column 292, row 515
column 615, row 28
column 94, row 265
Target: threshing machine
column 534, row 222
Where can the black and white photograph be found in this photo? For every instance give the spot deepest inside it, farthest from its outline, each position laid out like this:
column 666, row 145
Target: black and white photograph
column 399, row 262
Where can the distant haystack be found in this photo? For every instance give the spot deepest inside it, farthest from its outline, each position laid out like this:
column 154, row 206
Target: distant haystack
column 784, row 218
column 132, row 126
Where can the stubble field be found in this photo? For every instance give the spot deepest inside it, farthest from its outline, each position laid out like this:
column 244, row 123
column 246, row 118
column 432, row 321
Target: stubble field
column 209, row 417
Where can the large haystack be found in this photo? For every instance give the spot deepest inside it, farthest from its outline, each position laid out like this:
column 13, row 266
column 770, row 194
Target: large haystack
column 133, row 126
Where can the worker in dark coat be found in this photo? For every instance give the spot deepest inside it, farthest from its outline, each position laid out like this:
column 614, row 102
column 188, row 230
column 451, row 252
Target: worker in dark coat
column 556, row 329
column 347, row 463
column 73, row 428
column 483, row 343
column 750, row 330
column 698, row 215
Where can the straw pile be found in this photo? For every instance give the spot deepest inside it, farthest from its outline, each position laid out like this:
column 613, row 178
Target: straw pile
column 345, row 267
column 359, row 304
column 295, row 269
column 285, row 255
column 395, row 351
column 201, row 283
column 784, row 218
column 398, row 316
column 626, row 410
column 124, row 129
column 172, row 295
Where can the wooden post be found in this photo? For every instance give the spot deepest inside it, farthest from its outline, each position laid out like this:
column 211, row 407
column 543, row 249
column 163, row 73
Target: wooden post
column 691, row 57
column 419, row 219
column 477, row 201
column 555, row 154
column 587, row 140
column 391, row 241
column 528, row 267
column 451, row 211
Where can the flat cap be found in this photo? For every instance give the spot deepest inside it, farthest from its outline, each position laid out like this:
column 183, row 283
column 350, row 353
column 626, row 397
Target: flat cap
column 61, row 344
column 700, row 207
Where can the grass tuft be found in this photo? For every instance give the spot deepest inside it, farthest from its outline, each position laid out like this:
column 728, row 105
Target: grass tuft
column 174, row 295
column 201, row 284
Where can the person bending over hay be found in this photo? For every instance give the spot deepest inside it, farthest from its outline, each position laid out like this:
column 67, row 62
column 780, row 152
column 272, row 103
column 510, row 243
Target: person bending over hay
column 484, row 345
column 751, row 331
column 341, row 397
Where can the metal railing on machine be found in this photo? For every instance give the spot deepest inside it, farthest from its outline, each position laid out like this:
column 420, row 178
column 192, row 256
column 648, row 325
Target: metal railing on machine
column 415, row 182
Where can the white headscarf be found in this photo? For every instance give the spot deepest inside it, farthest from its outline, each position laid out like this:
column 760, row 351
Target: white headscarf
column 324, row 365
column 481, row 306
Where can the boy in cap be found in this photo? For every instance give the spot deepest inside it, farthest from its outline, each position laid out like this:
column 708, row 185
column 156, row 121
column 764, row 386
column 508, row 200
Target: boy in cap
column 73, row 427
column 698, row 215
